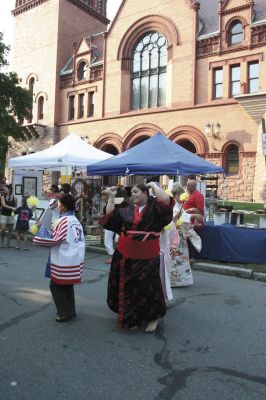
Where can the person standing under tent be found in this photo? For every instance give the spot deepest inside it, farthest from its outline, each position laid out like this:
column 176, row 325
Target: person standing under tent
column 195, row 203
column 24, row 214
column 180, row 269
column 9, row 204
column 109, row 236
column 2, row 185
column 65, row 188
column 169, row 237
column 134, row 285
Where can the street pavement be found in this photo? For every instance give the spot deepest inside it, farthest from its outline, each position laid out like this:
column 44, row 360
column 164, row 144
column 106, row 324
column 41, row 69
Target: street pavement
column 210, row 345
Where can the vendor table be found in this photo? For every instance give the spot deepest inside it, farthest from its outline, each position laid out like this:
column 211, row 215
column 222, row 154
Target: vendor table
column 233, row 244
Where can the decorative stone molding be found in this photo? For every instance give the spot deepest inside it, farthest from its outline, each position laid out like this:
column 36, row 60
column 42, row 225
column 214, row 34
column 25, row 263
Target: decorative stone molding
column 89, row 9
column 212, row 156
column 194, row 135
column 96, row 72
column 148, row 23
column 39, row 94
column 109, row 139
column 258, row 35
column 206, row 47
column 234, row 19
column 248, row 154
column 232, row 142
column 25, row 5
column 30, row 76
column 196, row 5
column 235, row 10
column 138, row 132
column 66, row 81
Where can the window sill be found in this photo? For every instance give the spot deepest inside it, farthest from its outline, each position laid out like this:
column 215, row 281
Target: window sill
column 233, row 176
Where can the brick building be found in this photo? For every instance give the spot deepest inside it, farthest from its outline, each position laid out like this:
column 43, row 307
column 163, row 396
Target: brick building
column 193, row 70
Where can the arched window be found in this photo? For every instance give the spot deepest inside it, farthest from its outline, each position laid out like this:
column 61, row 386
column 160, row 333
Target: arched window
column 148, row 72
column 82, row 70
column 236, row 33
column 40, row 107
column 31, row 85
column 232, row 160
column 31, row 89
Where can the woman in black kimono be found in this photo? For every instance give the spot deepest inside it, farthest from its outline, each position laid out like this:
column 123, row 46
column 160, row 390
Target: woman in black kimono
column 134, row 286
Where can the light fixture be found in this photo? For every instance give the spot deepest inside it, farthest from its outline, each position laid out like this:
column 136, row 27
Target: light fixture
column 208, row 129
column 213, row 130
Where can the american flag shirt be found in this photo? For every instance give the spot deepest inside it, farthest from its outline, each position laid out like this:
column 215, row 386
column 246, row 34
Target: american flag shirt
column 67, row 249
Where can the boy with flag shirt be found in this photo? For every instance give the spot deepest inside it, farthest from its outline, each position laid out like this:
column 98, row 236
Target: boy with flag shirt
column 66, row 259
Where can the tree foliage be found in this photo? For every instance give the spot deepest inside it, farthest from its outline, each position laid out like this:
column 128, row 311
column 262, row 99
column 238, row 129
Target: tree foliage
column 15, row 106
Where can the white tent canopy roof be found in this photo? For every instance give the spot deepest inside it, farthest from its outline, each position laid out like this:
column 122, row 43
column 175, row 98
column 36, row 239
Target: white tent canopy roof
column 71, row 151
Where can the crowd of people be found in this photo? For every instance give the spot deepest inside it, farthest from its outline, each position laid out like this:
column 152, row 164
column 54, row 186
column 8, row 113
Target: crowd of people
column 151, row 232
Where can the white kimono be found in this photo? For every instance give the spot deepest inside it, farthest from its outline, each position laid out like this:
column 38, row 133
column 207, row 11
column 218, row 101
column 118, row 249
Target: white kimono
column 169, row 237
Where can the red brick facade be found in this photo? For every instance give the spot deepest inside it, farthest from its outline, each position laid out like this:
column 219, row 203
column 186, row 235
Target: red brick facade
column 215, row 73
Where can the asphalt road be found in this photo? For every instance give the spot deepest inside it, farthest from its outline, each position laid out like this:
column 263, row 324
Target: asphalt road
column 210, row 345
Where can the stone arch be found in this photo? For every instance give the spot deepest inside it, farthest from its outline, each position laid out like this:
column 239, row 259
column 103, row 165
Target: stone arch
column 240, row 154
column 81, row 61
column 44, row 94
column 194, row 135
column 109, row 139
column 235, row 18
column 155, row 22
column 229, row 143
column 138, row 132
column 32, row 75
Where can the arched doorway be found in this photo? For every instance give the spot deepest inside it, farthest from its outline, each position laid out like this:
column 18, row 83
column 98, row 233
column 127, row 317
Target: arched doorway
column 111, row 149
column 139, row 140
column 192, row 139
column 188, row 145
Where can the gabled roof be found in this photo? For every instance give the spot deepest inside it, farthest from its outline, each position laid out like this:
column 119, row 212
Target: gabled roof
column 209, row 14
column 94, row 44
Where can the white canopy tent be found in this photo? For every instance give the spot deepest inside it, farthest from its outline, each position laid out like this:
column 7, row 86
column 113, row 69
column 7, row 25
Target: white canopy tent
column 69, row 152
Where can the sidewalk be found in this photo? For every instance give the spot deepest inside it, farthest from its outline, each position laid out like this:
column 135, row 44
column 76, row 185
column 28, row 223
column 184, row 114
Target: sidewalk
column 209, row 266
column 205, row 266
column 239, row 272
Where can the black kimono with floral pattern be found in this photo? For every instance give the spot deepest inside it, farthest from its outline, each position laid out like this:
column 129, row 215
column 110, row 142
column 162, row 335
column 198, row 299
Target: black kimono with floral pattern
column 134, row 286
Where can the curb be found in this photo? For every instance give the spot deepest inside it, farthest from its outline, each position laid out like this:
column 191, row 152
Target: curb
column 208, row 267
column 229, row 270
column 223, row 270
column 96, row 249
column 259, row 276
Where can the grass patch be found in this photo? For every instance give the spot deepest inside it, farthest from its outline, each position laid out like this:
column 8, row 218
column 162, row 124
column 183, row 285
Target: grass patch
column 253, row 219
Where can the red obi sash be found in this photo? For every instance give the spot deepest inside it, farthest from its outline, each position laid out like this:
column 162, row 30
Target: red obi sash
column 139, row 249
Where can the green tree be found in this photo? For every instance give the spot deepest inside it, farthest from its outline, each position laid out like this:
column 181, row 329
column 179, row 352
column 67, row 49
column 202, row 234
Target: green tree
column 15, row 106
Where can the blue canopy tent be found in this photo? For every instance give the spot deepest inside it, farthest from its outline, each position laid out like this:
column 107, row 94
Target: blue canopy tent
column 155, row 156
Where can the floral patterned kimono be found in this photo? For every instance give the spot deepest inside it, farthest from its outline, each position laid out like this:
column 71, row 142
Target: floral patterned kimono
column 180, row 269
column 134, row 286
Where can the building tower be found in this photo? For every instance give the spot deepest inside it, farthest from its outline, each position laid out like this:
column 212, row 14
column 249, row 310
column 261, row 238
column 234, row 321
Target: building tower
column 44, row 33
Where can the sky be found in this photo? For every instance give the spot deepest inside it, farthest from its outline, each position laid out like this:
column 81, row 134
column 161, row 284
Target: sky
column 6, row 19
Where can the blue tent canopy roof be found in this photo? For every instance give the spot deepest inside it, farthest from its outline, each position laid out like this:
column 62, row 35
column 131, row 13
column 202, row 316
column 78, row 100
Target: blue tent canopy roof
column 155, row 156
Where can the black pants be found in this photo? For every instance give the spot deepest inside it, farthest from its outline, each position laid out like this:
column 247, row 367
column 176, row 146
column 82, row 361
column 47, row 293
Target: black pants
column 64, row 298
